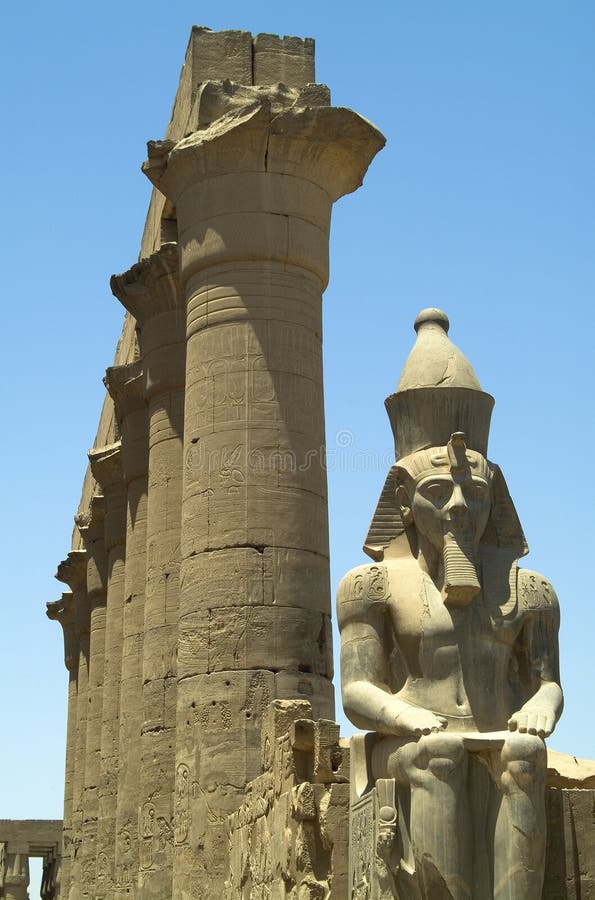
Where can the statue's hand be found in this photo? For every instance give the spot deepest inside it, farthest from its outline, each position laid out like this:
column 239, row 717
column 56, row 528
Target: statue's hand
column 537, row 720
column 419, row 721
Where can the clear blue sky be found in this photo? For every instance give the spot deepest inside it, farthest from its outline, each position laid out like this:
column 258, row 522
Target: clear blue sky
column 482, row 203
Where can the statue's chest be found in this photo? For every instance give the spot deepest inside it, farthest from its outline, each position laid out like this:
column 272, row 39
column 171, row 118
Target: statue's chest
column 435, row 638
column 417, row 609
column 423, row 628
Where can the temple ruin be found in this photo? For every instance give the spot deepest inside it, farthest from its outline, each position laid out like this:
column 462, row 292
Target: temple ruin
column 202, row 757
column 21, row 840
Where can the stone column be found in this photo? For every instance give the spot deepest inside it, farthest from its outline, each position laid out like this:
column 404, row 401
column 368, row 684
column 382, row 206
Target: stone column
column 150, row 292
column 126, row 387
column 253, row 190
column 63, row 611
column 106, row 467
column 73, row 572
column 16, row 874
column 51, row 878
column 91, row 527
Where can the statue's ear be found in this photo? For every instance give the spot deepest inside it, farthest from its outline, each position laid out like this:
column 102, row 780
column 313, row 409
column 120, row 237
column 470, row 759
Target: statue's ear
column 404, row 504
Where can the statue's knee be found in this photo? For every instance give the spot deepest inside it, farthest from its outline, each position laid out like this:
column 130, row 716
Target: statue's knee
column 441, row 754
column 526, row 748
column 524, row 757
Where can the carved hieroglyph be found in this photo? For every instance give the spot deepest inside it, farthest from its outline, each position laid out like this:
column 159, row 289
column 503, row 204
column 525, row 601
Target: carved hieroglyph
column 449, row 656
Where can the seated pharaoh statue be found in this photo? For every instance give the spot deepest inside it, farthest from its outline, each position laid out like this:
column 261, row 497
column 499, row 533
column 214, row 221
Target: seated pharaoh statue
column 449, row 656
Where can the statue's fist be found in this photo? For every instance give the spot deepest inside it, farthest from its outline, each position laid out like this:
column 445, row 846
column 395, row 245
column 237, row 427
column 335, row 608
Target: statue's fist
column 533, row 720
column 419, row 721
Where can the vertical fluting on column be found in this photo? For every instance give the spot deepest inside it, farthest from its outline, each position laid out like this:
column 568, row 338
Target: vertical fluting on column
column 106, row 467
column 253, row 193
column 126, row 387
column 150, row 292
column 73, row 572
column 91, row 527
column 16, row 874
column 63, row 611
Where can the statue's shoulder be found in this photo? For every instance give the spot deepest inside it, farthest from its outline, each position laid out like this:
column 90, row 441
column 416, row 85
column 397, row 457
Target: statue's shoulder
column 363, row 591
column 535, row 592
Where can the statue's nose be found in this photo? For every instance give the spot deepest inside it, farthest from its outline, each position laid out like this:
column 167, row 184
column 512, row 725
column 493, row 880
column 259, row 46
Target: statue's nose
column 458, row 504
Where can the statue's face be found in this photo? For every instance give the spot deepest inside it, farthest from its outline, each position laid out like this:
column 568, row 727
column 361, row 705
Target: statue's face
column 443, row 504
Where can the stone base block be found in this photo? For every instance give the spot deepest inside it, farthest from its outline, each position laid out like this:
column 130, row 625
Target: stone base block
column 288, row 839
column 570, row 856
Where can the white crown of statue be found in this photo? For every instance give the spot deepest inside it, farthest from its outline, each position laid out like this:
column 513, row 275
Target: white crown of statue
column 437, row 396
column 438, row 393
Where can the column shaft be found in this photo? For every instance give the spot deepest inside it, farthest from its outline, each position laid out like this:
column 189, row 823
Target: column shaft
column 63, row 611
column 71, row 734
column 73, row 572
column 160, row 645
column 126, row 386
column 255, row 618
column 149, row 290
column 16, row 877
column 107, row 470
column 92, row 531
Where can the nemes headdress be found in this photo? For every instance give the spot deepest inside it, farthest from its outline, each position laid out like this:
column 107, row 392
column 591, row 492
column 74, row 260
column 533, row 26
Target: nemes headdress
column 439, row 396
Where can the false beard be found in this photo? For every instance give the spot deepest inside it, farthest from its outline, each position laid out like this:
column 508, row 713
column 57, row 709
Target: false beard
column 461, row 583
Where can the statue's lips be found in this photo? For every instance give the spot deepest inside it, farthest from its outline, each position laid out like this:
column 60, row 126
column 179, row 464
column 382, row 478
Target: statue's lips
column 461, row 528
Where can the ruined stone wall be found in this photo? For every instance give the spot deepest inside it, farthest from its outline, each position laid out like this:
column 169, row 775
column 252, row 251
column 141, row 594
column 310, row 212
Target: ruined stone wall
column 570, row 855
column 289, row 837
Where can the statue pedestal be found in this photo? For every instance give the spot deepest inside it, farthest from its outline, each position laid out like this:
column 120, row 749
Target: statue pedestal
column 375, row 820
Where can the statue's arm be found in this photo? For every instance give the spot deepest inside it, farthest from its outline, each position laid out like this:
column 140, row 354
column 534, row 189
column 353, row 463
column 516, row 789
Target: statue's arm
column 539, row 646
column 365, row 677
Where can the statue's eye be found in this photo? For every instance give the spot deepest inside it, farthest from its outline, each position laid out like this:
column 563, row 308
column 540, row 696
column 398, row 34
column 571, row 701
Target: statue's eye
column 477, row 490
column 437, row 491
